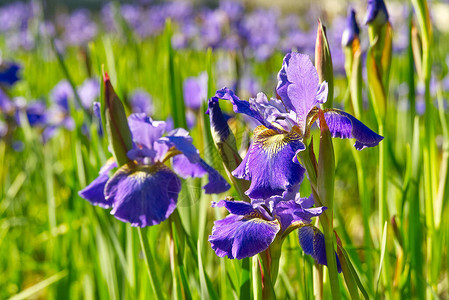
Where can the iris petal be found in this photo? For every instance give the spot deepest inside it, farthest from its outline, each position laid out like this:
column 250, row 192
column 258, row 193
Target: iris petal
column 298, row 86
column 239, row 237
column 184, row 168
column 143, row 195
column 241, row 106
column 290, row 212
column 94, row 192
column 269, row 163
column 345, row 126
column 312, row 243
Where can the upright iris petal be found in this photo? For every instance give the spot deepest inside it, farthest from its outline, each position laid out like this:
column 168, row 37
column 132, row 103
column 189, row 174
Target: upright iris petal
column 143, row 195
column 298, row 86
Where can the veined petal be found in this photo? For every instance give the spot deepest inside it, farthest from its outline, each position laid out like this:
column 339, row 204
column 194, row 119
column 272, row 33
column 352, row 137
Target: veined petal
column 143, row 195
column 289, row 212
column 269, row 163
column 345, row 126
column 184, row 168
column 144, row 130
column 241, row 106
column 181, row 140
column 216, row 183
column 239, row 237
column 240, row 208
column 312, row 243
column 298, row 86
column 94, row 192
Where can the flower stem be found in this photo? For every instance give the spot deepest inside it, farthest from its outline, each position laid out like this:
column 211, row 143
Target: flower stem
column 149, row 263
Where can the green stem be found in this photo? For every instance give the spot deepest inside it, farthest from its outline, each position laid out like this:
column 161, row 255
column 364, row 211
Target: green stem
column 328, row 232
column 149, row 263
column 318, row 281
column 267, row 284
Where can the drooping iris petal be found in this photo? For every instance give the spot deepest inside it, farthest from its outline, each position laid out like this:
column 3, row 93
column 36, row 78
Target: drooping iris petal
column 143, row 195
column 269, row 163
column 241, row 106
column 312, row 243
column 184, row 168
column 94, row 192
column 298, row 85
column 239, row 236
column 181, row 140
column 240, row 208
column 345, row 126
column 290, row 212
column 216, row 183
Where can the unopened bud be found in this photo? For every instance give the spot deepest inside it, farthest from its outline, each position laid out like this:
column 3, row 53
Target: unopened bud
column 323, row 62
column 119, row 134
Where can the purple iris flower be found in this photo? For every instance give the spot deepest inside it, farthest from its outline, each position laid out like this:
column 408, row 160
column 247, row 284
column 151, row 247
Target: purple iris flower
column 352, row 29
column 271, row 163
column 61, row 94
column 35, row 111
column 377, row 13
column 195, row 91
column 9, row 74
column 250, row 228
column 144, row 192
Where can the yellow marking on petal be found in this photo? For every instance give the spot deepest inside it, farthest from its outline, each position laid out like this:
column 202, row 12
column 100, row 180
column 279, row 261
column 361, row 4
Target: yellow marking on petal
column 272, row 141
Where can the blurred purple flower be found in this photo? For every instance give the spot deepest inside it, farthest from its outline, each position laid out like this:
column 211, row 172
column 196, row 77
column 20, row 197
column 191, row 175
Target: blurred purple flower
column 9, row 73
column 141, row 102
column 195, row 91
column 88, row 92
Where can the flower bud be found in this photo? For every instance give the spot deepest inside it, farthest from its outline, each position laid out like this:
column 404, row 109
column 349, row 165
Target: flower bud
column 326, row 164
column 225, row 141
column 377, row 14
column 351, row 31
column 323, row 62
column 117, row 127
